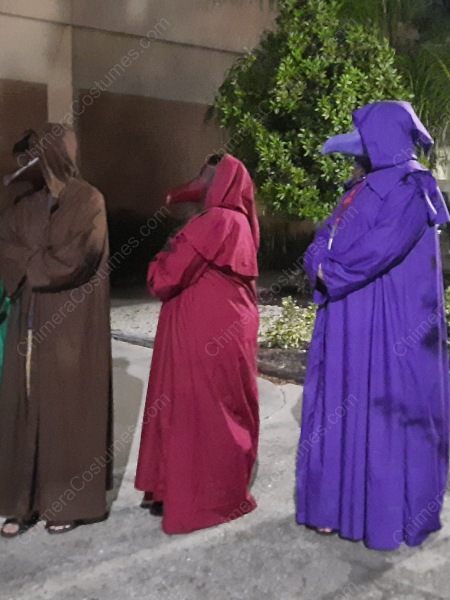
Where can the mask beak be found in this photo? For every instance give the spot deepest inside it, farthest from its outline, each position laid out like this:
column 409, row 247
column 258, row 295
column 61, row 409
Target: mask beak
column 9, row 179
column 347, row 143
column 194, row 191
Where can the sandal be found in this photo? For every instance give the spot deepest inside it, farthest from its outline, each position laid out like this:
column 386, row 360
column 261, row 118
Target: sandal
column 59, row 528
column 147, row 500
column 322, row 530
column 325, row 531
column 53, row 529
column 157, row 509
column 22, row 526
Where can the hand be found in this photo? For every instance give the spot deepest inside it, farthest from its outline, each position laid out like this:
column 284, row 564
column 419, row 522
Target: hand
column 320, row 273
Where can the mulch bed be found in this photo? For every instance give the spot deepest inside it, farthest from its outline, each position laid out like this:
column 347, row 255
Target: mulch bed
column 286, row 365
column 278, row 365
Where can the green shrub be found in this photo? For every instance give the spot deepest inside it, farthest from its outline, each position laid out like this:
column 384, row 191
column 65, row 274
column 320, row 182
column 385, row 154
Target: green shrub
column 293, row 328
column 447, row 313
column 282, row 102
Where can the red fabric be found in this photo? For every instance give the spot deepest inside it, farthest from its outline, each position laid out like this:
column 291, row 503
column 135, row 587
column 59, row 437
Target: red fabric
column 233, row 188
column 201, row 424
column 224, row 238
column 347, row 202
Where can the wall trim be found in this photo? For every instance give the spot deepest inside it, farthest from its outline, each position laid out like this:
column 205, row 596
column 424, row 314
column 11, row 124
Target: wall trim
column 121, row 34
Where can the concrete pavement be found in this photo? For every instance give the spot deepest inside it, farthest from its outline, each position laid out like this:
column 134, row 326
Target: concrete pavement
column 263, row 556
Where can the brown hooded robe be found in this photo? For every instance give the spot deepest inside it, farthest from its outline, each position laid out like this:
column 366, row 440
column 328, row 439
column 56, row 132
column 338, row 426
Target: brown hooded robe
column 55, row 403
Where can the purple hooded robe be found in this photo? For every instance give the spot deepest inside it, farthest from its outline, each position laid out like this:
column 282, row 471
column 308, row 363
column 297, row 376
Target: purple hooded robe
column 373, row 454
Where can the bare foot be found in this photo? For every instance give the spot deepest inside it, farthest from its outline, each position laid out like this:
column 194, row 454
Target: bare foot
column 60, row 528
column 11, row 529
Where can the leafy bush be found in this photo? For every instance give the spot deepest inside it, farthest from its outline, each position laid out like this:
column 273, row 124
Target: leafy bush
column 282, row 102
column 447, row 313
column 293, row 328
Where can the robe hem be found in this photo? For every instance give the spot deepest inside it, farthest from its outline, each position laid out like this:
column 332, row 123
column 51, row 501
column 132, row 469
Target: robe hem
column 411, row 544
column 218, row 523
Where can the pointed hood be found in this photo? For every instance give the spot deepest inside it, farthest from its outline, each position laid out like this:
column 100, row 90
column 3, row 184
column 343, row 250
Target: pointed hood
column 390, row 132
column 233, row 188
column 385, row 132
column 220, row 234
column 56, row 148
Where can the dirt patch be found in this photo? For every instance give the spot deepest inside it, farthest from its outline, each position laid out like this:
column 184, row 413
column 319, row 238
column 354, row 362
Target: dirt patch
column 287, row 365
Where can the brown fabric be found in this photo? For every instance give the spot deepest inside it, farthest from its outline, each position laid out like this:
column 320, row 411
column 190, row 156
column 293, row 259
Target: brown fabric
column 53, row 146
column 54, row 264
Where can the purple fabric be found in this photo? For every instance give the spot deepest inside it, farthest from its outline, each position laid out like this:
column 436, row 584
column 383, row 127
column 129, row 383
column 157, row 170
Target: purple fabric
column 373, row 455
column 346, row 143
column 390, row 133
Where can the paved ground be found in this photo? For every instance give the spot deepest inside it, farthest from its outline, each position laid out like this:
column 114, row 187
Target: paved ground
column 263, row 556
column 139, row 316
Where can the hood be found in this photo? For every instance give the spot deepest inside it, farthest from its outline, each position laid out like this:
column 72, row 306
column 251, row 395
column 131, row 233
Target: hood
column 385, row 132
column 56, row 147
column 233, row 188
column 390, row 132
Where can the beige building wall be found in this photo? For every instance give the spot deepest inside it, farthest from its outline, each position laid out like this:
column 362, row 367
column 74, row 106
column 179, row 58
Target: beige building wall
column 192, row 43
column 22, row 105
column 148, row 68
column 35, row 73
column 168, row 71
column 39, row 52
column 231, row 25
column 158, row 65
column 58, row 11
column 152, row 100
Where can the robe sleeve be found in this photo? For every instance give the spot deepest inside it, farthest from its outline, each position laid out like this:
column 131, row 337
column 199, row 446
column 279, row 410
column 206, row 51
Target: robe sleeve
column 75, row 244
column 175, row 269
column 402, row 220
column 316, row 252
column 15, row 254
column 4, row 306
column 314, row 256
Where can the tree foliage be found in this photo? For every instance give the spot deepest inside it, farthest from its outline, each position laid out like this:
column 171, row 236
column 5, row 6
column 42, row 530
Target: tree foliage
column 298, row 88
column 295, row 325
column 419, row 30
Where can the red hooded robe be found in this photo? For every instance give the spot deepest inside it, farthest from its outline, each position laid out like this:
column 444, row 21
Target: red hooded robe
column 201, row 424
